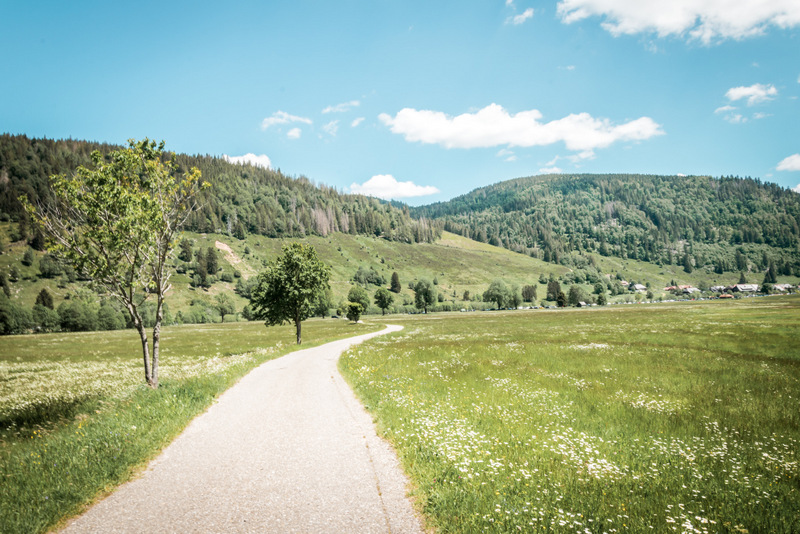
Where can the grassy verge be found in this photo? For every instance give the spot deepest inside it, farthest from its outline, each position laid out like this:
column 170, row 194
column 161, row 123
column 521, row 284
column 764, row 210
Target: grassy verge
column 668, row 418
column 76, row 419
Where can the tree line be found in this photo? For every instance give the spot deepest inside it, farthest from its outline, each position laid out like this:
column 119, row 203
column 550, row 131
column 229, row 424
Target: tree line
column 243, row 199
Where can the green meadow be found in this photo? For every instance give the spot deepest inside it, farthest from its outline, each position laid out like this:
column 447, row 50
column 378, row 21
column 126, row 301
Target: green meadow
column 677, row 417
column 76, row 418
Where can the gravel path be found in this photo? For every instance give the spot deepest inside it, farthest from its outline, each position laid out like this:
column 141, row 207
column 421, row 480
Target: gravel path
column 287, row 449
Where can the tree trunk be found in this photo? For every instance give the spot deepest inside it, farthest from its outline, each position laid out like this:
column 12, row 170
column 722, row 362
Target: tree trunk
column 153, row 382
column 297, row 323
column 145, row 350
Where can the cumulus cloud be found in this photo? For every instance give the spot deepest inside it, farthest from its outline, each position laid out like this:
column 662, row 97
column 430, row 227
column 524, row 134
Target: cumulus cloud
column 493, row 126
column 703, row 21
column 356, row 122
column 281, row 117
column 506, row 154
column 250, row 159
column 294, row 133
column 331, row 128
column 550, row 170
column 522, row 17
column 343, row 107
column 755, row 94
column 387, row 187
column 792, row 163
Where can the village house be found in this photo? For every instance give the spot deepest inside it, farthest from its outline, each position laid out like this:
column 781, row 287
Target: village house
column 744, row 288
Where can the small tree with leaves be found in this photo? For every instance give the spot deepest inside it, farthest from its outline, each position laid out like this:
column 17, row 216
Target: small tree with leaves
column 424, row 295
column 359, row 294
column 117, row 225
column 497, row 292
column 225, row 305
column 290, row 286
column 383, row 299
column 353, row 311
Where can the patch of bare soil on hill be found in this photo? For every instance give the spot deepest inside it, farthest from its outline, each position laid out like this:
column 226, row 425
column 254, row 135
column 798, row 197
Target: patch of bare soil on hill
column 237, row 262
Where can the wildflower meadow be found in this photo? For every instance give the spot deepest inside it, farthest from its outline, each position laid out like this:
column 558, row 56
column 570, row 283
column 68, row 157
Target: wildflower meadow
column 76, row 417
column 663, row 418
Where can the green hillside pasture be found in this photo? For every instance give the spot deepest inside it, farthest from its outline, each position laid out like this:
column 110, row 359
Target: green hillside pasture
column 458, row 263
column 679, row 417
column 76, row 418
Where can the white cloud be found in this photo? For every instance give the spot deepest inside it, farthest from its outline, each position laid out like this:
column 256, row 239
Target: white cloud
column 250, row 159
column 506, row 154
column 331, row 128
column 755, row 94
column 509, row 3
column 796, row 188
column 343, row 107
column 493, row 126
column 386, row 186
column 705, row 21
column 281, row 117
column 724, row 109
column 792, row 163
column 356, row 122
column 294, row 133
column 522, row 17
column 760, row 115
column 550, row 170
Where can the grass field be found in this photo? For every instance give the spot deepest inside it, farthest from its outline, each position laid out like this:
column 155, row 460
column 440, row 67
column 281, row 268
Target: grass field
column 676, row 417
column 76, row 418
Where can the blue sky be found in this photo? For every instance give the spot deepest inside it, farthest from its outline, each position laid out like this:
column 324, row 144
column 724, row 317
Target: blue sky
column 419, row 101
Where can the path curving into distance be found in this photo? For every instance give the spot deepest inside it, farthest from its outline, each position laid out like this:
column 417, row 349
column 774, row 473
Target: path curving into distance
column 286, row 449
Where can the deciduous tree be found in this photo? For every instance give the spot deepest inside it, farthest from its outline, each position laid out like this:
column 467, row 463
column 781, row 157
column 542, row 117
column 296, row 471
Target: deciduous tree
column 424, row 294
column 383, row 299
column 117, row 224
column 290, row 285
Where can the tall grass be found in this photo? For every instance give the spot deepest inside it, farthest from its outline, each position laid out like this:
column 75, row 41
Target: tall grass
column 76, row 418
column 664, row 418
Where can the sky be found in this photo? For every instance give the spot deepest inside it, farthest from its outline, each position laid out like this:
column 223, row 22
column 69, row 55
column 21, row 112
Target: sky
column 418, row 101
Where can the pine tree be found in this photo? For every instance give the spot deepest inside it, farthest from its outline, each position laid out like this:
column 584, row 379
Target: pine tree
column 395, row 284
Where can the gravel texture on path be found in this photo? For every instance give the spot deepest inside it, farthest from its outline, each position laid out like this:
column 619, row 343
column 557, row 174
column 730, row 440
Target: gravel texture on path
column 287, row 449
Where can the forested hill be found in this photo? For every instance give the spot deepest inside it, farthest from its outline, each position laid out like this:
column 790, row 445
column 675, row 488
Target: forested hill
column 243, row 199
column 725, row 224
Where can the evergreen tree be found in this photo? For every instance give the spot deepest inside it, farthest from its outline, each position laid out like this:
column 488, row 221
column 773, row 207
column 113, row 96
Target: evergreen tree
column 185, row 251
column 27, row 258
column 553, row 289
column 212, row 261
column 44, row 298
column 529, row 293
column 395, row 286
column 742, row 279
column 771, row 277
column 4, row 285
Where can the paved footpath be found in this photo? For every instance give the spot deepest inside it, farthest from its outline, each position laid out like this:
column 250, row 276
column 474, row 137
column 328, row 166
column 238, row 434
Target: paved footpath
column 287, row 449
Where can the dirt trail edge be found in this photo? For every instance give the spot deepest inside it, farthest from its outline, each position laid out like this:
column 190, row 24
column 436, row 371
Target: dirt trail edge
column 287, row 449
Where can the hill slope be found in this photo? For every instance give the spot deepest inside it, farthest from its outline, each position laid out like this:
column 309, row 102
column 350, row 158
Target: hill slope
column 242, row 200
column 660, row 219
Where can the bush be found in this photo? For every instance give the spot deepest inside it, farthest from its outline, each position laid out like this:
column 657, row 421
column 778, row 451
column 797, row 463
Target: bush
column 49, row 267
column 14, row 319
column 77, row 315
column 353, row 311
column 46, row 319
